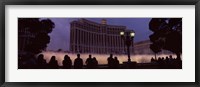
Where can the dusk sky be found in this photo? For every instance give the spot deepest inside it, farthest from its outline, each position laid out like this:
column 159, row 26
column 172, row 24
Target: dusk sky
column 60, row 36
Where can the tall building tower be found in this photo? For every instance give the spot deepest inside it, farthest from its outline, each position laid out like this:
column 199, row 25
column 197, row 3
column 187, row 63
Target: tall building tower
column 90, row 37
column 103, row 21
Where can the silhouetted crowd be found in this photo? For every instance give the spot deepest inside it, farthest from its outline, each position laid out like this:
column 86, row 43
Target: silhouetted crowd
column 167, row 62
column 91, row 63
column 113, row 62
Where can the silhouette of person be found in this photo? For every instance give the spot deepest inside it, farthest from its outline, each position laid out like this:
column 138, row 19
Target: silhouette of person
column 162, row 59
column 116, row 63
column 110, row 61
column 41, row 62
column 167, row 59
column 170, row 58
column 152, row 60
column 94, row 63
column 89, row 62
column 30, row 62
column 67, row 62
column 53, row 64
column 159, row 59
column 78, row 63
column 161, row 62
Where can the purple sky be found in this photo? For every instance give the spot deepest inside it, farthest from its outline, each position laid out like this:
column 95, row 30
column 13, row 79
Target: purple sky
column 60, row 36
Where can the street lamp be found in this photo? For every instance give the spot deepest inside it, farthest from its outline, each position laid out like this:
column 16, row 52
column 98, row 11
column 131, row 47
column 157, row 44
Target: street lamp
column 128, row 39
column 122, row 33
column 132, row 34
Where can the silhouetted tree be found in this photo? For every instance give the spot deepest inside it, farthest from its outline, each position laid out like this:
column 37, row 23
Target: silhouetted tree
column 38, row 30
column 167, row 35
column 155, row 49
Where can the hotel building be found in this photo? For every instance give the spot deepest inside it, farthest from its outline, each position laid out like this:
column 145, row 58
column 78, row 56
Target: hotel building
column 90, row 37
column 143, row 47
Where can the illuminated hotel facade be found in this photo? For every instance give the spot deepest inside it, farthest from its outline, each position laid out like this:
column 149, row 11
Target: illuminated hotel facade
column 90, row 37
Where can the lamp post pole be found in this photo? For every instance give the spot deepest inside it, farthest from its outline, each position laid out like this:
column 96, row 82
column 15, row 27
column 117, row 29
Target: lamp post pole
column 129, row 57
column 128, row 39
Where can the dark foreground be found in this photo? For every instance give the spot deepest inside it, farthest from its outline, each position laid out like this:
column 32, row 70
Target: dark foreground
column 125, row 65
column 92, row 63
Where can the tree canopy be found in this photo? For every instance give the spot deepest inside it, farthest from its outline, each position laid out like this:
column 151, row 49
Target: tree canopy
column 167, row 34
column 39, row 28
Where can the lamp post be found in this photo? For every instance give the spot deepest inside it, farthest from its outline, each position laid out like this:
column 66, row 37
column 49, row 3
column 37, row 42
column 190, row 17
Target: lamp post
column 128, row 39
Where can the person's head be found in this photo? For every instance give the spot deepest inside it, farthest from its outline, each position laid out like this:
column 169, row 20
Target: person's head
column 53, row 58
column 41, row 56
column 78, row 55
column 90, row 56
column 115, row 58
column 94, row 58
column 111, row 55
column 66, row 57
column 170, row 56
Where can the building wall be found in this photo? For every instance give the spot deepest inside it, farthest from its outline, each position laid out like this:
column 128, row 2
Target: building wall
column 91, row 37
column 143, row 47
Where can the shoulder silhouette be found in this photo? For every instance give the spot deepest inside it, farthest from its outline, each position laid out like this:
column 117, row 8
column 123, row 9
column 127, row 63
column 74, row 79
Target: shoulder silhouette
column 94, row 63
column 89, row 62
column 78, row 62
column 53, row 64
column 116, row 63
column 67, row 62
column 110, row 61
column 41, row 62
